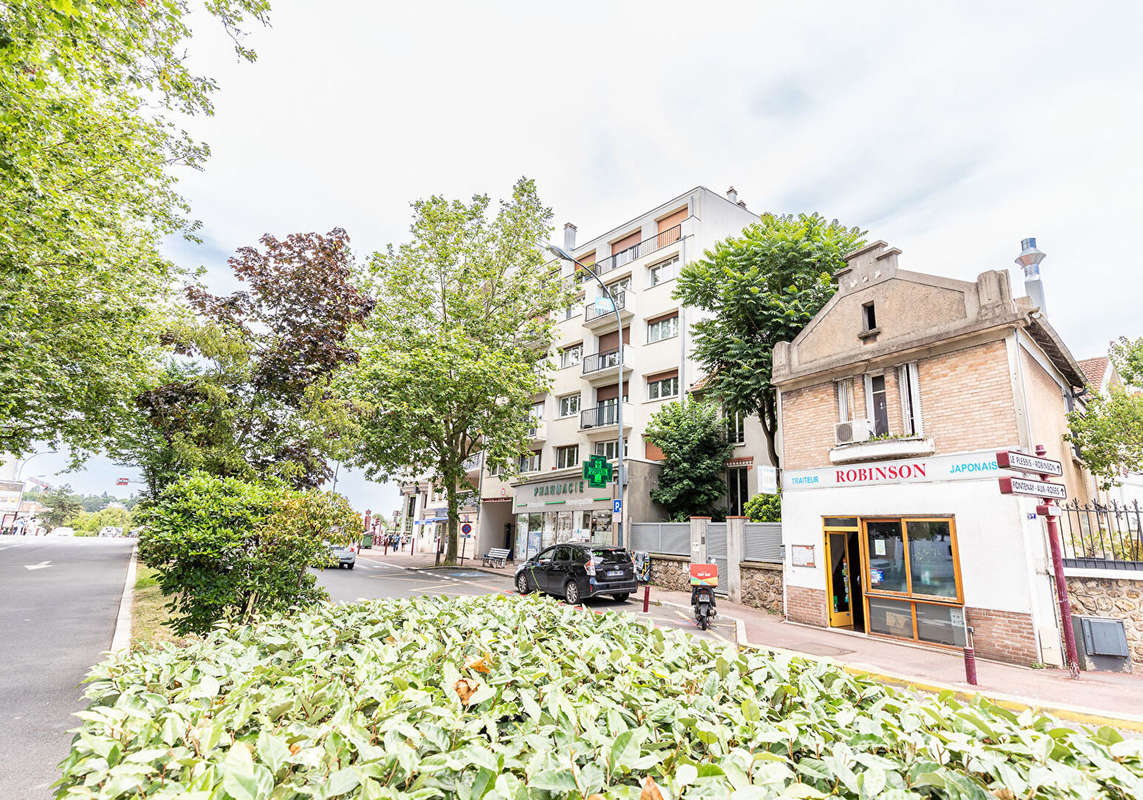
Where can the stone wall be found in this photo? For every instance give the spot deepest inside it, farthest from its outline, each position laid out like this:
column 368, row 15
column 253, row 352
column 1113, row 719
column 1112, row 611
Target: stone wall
column 671, row 572
column 762, row 585
column 1112, row 597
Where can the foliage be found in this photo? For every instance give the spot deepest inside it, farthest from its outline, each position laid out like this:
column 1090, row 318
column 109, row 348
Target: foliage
column 484, row 698
column 89, row 523
column 252, row 396
column 1108, row 429
column 763, row 508
column 89, row 502
column 63, row 504
column 692, row 436
column 225, row 548
column 761, row 288
column 88, row 149
column 458, row 345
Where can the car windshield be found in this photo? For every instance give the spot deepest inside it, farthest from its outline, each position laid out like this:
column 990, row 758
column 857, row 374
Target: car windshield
column 608, row 552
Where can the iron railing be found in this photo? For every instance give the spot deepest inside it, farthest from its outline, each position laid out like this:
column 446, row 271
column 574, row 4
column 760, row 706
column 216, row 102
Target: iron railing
column 597, row 361
column 600, row 306
column 598, row 417
column 643, row 248
column 1102, row 536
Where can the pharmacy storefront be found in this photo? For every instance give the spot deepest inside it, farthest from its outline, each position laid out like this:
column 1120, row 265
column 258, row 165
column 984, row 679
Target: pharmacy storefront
column 920, row 549
column 564, row 509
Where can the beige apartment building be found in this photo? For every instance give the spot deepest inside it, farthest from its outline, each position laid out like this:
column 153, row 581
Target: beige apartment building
column 548, row 500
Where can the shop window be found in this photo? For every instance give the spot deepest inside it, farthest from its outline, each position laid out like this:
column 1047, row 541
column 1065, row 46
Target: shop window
column 877, row 404
column 932, row 567
column 737, row 490
column 571, row 355
column 907, row 380
column 567, row 456
column 736, row 427
column 569, row 405
column 886, row 550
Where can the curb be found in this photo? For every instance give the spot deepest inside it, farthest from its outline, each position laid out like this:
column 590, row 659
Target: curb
column 121, row 640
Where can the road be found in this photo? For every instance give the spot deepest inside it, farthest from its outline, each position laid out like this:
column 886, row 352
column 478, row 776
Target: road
column 56, row 620
column 374, row 578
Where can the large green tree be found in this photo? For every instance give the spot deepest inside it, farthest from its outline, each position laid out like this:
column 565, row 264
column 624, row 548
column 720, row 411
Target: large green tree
column 692, row 436
column 761, row 288
column 89, row 90
column 457, row 347
column 1108, row 428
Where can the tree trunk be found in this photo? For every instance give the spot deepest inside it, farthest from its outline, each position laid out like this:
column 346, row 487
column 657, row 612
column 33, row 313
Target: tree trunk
column 453, row 517
column 768, row 416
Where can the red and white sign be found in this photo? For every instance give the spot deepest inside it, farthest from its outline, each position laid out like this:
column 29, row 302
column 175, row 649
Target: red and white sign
column 967, row 466
column 121, row 482
column 1022, row 462
column 1030, row 488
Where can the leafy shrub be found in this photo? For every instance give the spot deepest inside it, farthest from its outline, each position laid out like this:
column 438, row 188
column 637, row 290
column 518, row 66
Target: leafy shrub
column 763, row 508
column 501, row 697
column 224, row 548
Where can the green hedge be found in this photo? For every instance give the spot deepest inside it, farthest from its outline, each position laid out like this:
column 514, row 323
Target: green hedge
column 510, row 697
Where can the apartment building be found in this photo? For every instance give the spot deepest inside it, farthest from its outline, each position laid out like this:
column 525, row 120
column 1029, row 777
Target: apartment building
column 894, row 401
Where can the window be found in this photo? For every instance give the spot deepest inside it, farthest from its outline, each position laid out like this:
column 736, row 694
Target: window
column 626, row 249
column 868, row 317
column 877, row 404
column 575, row 309
column 737, row 490
column 618, row 288
column 663, row 271
column 530, row 462
column 910, row 399
column 608, row 449
column 569, row 405
column 571, row 355
column 567, row 456
column 845, row 400
column 664, row 387
column 665, row 328
column 736, row 427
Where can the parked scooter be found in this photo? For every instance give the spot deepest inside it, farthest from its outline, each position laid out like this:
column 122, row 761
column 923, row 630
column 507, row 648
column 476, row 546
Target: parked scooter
column 704, row 577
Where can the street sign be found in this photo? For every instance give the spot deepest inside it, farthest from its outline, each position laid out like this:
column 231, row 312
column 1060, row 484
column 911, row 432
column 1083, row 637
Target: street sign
column 616, row 506
column 466, row 529
column 597, row 471
column 1032, row 488
column 1022, row 462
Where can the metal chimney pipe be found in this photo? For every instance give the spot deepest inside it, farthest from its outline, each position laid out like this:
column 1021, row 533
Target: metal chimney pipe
column 1030, row 258
column 569, row 236
column 732, row 195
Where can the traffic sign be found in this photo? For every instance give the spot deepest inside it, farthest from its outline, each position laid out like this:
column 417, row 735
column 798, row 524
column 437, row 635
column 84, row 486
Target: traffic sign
column 1031, row 488
column 466, row 529
column 597, row 471
column 1022, row 462
column 616, row 506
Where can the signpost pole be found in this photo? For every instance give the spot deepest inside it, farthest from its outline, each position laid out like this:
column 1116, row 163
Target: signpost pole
column 1070, row 655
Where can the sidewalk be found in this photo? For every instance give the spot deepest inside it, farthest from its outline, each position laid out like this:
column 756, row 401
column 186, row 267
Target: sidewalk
column 401, row 558
column 1096, row 698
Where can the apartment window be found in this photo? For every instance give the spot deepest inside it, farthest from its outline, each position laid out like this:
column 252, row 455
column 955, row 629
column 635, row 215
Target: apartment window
column 567, row 456
column 845, row 400
column 571, row 356
column 619, row 287
column 659, row 388
column 569, row 405
column 626, row 249
column 663, row 328
column 663, row 271
column 609, row 448
column 910, row 399
column 877, row 404
column 736, row 427
column 530, row 462
column 737, row 490
column 868, row 317
column 575, row 309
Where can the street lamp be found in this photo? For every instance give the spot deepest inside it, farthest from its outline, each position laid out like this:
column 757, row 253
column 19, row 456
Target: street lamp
column 620, row 482
column 19, row 472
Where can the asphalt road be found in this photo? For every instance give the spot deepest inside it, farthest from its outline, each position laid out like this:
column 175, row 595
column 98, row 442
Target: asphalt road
column 374, row 578
column 55, row 622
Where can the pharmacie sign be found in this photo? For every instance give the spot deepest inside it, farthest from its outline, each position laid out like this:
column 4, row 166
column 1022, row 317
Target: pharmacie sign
column 969, row 466
column 573, row 486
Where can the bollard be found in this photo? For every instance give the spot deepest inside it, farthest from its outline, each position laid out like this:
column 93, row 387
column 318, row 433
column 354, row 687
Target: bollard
column 970, row 665
column 385, row 552
column 646, row 597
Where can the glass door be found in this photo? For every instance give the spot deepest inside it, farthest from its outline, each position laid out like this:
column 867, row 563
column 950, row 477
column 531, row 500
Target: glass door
column 838, row 580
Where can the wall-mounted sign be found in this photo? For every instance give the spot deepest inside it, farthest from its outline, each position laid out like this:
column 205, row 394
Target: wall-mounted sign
column 802, row 555
column 967, row 466
column 767, row 480
column 1022, row 462
column 10, row 495
column 1030, row 488
column 597, row 471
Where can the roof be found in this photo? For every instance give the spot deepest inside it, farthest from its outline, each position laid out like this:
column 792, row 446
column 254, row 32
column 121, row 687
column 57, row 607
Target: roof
column 1094, row 370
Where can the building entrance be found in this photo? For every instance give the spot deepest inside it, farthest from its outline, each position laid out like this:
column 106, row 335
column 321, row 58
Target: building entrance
column 843, row 574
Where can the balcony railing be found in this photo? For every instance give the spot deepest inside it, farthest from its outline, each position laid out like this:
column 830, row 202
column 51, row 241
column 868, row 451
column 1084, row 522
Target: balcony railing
column 600, row 416
column 597, row 361
column 645, row 247
column 601, row 306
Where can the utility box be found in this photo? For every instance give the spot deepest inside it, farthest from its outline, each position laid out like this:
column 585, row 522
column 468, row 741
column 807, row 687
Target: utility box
column 1101, row 643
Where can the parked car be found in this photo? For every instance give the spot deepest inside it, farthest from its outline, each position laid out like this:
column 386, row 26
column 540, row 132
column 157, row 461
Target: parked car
column 62, row 530
column 576, row 572
column 342, row 556
column 110, row 531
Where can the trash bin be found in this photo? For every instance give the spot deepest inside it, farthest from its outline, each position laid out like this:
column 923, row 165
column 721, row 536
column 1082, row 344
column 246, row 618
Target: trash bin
column 367, row 540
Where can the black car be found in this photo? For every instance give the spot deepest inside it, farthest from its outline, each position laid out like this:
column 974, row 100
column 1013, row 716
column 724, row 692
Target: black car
column 576, row 572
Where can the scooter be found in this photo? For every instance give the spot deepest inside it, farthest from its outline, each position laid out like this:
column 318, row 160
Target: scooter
column 704, row 577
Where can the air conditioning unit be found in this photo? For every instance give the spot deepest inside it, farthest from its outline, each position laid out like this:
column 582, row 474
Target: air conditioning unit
column 856, row 430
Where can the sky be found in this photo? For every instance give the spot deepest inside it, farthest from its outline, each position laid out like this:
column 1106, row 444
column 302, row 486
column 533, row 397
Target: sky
column 951, row 131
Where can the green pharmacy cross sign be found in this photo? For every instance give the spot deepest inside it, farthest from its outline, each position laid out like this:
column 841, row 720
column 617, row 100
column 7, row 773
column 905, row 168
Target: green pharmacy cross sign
column 597, row 471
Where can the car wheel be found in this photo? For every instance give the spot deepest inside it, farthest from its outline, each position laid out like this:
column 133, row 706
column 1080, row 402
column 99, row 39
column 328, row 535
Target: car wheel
column 349, row 566
column 522, row 583
column 571, row 593
column 621, row 596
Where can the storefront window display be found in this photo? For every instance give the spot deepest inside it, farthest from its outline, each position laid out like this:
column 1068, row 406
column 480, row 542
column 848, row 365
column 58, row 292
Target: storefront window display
column 564, row 526
column 601, row 527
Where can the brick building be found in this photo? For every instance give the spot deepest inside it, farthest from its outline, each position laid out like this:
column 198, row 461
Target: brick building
column 893, row 403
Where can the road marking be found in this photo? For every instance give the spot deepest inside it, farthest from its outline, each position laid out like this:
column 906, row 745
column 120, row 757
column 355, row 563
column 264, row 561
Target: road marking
column 430, row 588
column 41, row 565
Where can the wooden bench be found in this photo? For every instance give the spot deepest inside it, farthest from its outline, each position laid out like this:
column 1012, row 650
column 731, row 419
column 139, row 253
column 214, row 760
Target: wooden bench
column 495, row 557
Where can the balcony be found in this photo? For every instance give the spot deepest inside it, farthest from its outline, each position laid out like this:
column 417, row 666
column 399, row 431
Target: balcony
column 599, row 313
column 538, row 433
column 644, row 248
column 599, row 368
column 602, row 419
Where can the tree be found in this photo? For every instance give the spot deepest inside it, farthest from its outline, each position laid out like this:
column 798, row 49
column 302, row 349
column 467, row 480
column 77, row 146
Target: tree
column 87, row 158
column 1108, row 429
column 251, row 394
column 763, row 508
column 225, row 549
column 762, row 288
column 457, row 347
column 692, row 436
column 64, row 505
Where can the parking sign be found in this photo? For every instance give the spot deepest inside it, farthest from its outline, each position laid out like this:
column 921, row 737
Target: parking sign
column 616, row 506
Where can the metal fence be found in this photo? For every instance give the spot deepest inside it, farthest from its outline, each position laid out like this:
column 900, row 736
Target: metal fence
column 669, row 538
column 1102, row 536
column 763, row 541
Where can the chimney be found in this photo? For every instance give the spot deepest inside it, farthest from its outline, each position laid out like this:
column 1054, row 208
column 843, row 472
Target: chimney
column 1030, row 258
column 569, row 236
column 732, row 195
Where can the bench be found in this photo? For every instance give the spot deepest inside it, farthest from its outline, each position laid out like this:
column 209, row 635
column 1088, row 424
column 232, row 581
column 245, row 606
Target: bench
column 495, row 557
